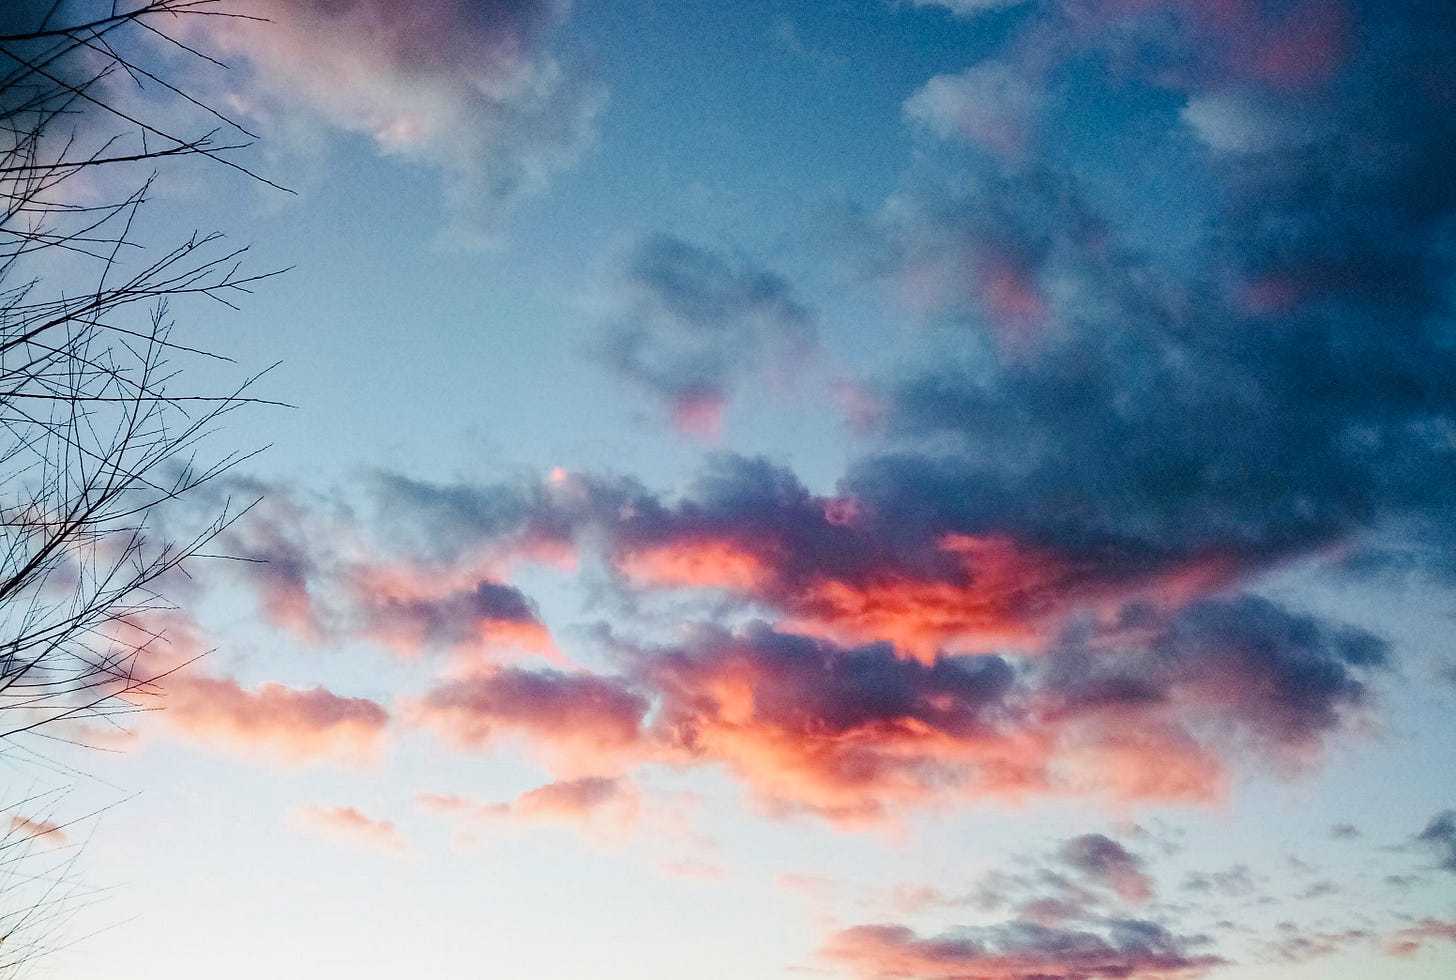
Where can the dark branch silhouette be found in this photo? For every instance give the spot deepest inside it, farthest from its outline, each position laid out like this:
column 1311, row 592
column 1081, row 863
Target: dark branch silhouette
column 96, row 436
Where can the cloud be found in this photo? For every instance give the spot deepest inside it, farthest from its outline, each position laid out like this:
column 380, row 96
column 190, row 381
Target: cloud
column 469, row 87
column 290, row 725
column 407, row 611
column 1297, row 947
column 24, row 828
column 583, row 720
column 1074, row 406
column 808, row 726
column 855, row 734
column 572, row 799
column 1285, row 679
column 904, row 556
column 322, row 573
column 347, row 825
column 1235, row 882
column 968, row 7
column 1039, row 577
column 993, row 104
column 283, row 724
column 277, row 540
column 587, row 801
column 1294, row 47
column 1096, row 439
column 1234, row 121
column 1105, row 862
column 1132, row 949
column 1439, row 838
column 838, row 732
column 692, row 325
column 921, row 644
column 1410, row 940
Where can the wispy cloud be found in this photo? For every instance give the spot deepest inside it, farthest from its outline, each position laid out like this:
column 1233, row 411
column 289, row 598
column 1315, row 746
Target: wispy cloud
column 349, row 826
column 690, row 325
column 469, row 87
column 1130, row 948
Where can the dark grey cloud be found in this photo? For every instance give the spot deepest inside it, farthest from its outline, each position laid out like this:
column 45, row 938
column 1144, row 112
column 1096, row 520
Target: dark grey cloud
column 1235, row 882
column 816, row 689
column 1020, row 950
column 1275, row 387
column 1439, row 838
column 1242, row 666
column 1105, row 862
column 452, row 618
column 693, row 324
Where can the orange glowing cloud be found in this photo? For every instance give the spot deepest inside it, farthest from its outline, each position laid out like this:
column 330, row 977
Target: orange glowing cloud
column 991, row 607
column 574, row 799
column 862, row 777
column 288, row 725
column 36, row 828
column 856, row 734
column 705, row 563
column 998, row 593
column 1005, row 590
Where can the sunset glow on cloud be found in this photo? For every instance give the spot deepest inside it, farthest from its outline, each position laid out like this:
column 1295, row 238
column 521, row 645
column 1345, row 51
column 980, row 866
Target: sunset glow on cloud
column 947, row 490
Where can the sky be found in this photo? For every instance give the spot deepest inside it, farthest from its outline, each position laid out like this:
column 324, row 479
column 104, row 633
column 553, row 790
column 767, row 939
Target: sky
column 879, row 490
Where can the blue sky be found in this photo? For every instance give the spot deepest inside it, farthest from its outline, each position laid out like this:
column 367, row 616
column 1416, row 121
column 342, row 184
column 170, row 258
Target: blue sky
column 853, row 489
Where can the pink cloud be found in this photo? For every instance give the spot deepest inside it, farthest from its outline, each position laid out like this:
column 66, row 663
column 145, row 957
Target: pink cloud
column 584, row 721
column 320, row 576
column 349, row 826
column 1299, row 48
column 1106, row 863
column 699, row 414
column 410, row 609
column 1410, row 940
column 289, row 725
column 589, row 800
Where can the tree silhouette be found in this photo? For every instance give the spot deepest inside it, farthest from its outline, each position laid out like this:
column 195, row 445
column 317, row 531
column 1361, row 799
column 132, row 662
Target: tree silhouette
column 97, row 435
